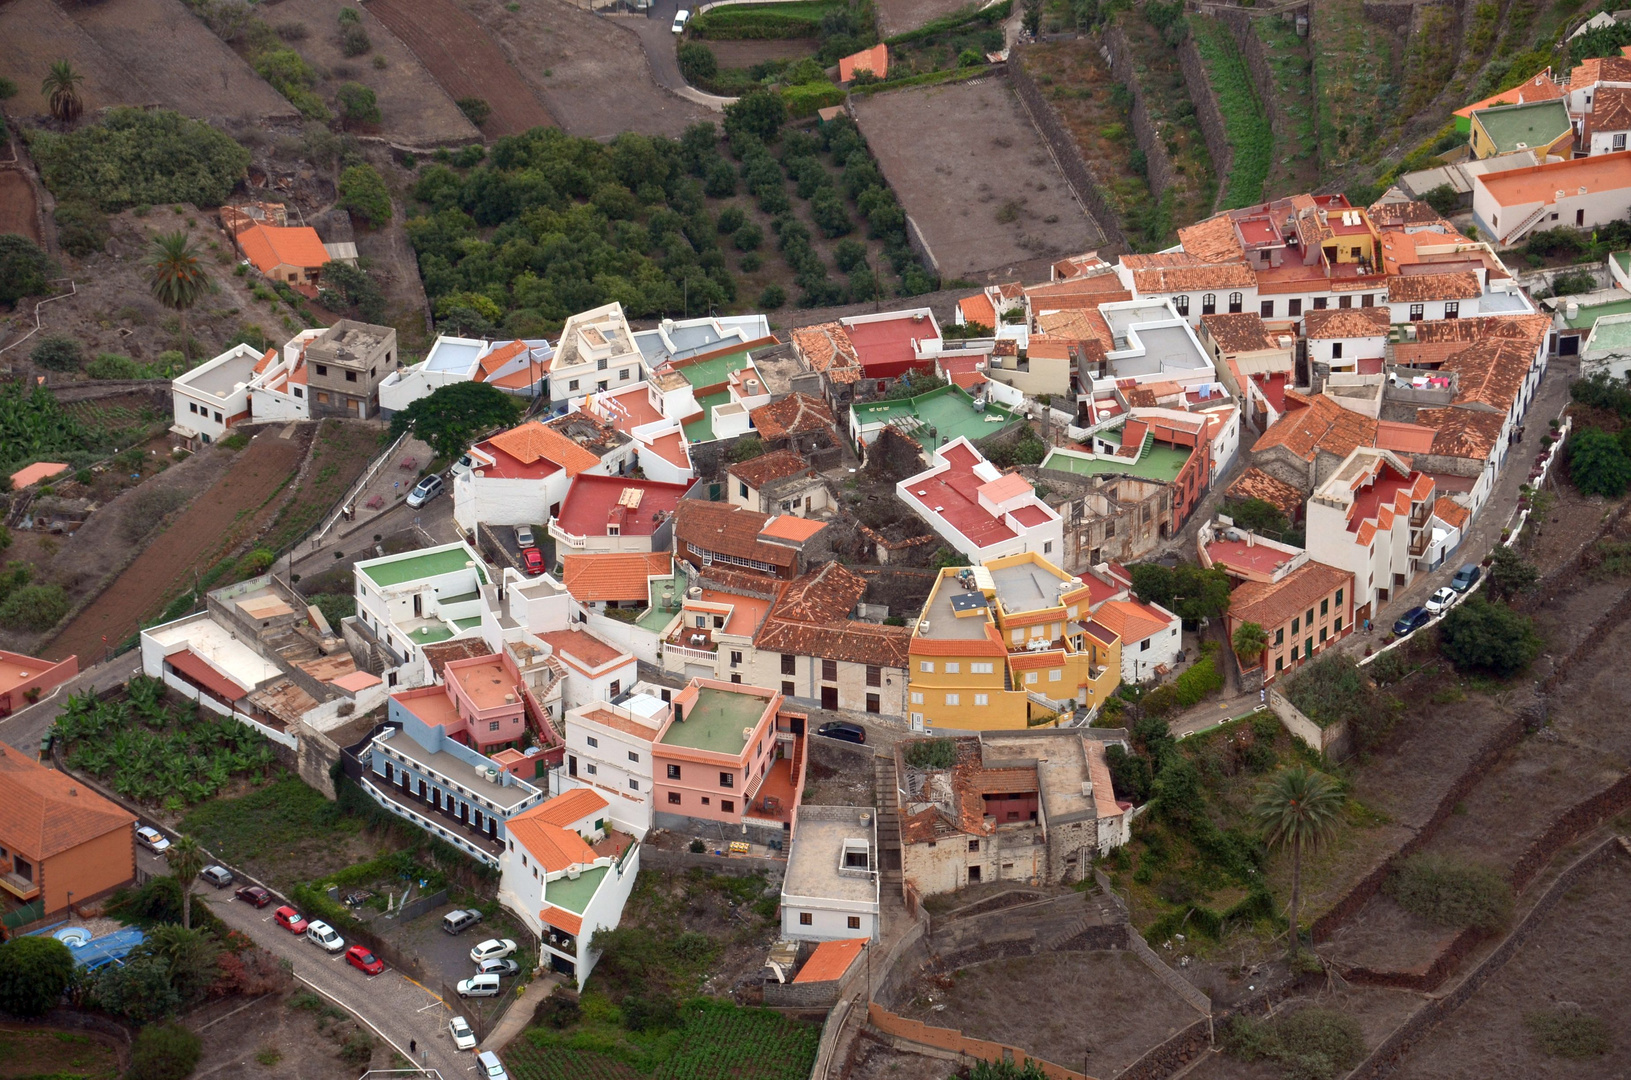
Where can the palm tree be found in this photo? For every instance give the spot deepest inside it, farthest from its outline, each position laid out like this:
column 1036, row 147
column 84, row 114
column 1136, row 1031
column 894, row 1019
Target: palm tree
column 186, row 859
column 1250, row 640
column 176, row 275
column 61, row 88
column 1298, row 806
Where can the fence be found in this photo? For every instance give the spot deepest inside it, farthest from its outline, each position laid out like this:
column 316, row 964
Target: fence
column 1332, row 741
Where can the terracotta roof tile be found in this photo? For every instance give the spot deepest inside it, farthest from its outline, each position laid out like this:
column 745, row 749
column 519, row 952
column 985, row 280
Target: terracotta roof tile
column 1212, row 240
column 44, row 812
column 613, row 576
column 534, row 441
column 1610, row 109
column 1415, row 288
column 562, row 919
column 1451, row 512
column 1254, row 483
column 826, row 346
column 795, row 414
column 1081, row 324
column 1491, row 372
column 978, row 309
column 830, row 960
column 1398, row 214
column 269, row 246
column 875, row 60
column 1194, row 278
column 1321, row 424
column 777, row 465
column 1270, row 604
column 1239, row 332
column 1530, row 328
column 1346, row 323
column 1131, row 620
column 727, row 530
column 1463, row 433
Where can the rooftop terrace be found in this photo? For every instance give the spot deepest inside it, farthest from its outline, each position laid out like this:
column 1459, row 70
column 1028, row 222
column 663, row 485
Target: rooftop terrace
column 1027, row 586
column 1158, row 462
column 394, row 570
column 949, row 410
column 574, row 894
column 715, row 721
column 713, row 371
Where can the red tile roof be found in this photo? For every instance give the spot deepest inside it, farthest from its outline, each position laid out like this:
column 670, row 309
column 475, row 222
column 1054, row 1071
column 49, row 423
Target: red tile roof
column 811, row 618
column 1346, row 323
column 1238, row 332
column 875, row 60
column 777, row 465
column 830, row 960
column 1318, row 424
column 1414, row 288
column 636, row 507
column 1463, row 433
column 727, row 530
column 44, row 812
column 269, row 246
column 562, row 919
column 198, row 669
column 1131, row 620
column 1254, row 483
column 1451, row 512
column 1273, row 603
column 1212, row 240
column 568, row 807
column 1491, row 373
column 535, row 441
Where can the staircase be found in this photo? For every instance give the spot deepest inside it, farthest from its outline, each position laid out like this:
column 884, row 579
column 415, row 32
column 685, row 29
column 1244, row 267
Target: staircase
column 1529, row 221
column 883, row 783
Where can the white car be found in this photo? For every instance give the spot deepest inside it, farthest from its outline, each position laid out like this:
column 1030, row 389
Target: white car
column 492, row 949
column 324, row 936
column 463, row 1037
column 1440, row 601
column 479, row 986
column 151, row 839
column 681, row 17
column 489, row 1067
column 464, row 465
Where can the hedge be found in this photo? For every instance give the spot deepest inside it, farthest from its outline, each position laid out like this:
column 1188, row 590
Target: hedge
column 1202, row 679
column 807, row 99
column 927, row 78
column 989, row 16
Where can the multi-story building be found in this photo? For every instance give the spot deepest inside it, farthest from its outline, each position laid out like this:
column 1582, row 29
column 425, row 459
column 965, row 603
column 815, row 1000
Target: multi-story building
column 1150, row 637
column 608, row 748
column 978, row 510
column 830, row 892
column 345, row 365
column 60, row 842
column 778, row 482
column 479, row 703
column 521, row 476
column 708, row 534
column 1001, row 643
column 1301, row 613
column 597, row 352
column 1372, row 518
column 419, row 598
column 613, row 513
column 1351, row 340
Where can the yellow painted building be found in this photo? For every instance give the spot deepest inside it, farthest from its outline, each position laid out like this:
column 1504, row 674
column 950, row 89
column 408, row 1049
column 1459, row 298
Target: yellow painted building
column 1541, row 126
column 1001, row 644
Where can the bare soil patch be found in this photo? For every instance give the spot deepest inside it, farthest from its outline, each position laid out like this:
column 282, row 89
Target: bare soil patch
column 1574, row 956
column 974, row 176
column 465, row 60
column 899, row 16
column 230, row 511
column 413, row 107
column 589, row 70
column 872, row 1059
column 34, row 34
column 19, row 207
column 839, row 777
column 183, row 65
column 1378, row 1011
column 1119, row 1010
column 34, row 1050
column 273, row 1040
column 741, row 54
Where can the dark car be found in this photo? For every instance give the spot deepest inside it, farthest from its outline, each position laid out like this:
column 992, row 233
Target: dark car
column 254, row 895
column 1411, row 621
column 843, row 732
column 1466, row 577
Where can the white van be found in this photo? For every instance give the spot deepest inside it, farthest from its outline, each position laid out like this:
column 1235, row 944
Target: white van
column 478, row 986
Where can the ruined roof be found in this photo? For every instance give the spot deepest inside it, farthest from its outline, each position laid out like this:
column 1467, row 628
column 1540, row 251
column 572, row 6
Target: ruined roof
column 1346, row 323
column 1254, row 483
column 1463, row 433
column 1212, row 240
column 1407, row 212
column 825, row 346
column 795, row 414
column 1416, row 288
column 534, row 441
column 1319, row 424
column 1611, row 109
column 1530, row 328
column 758, row 471
column 1238, row 332
column 1274, row 603
column 1491, row 372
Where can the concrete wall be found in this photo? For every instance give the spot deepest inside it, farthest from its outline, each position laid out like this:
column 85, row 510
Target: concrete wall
column 1332, row 741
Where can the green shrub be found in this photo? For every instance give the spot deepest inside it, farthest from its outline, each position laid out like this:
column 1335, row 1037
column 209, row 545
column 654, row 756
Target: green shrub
column 931, row 753
column 164, row 1052
column 1451, row 893
column 292, row 77
column 1309, row 1044
column 354, row 40
column 748, row 238
column 58, row 352
column 697, row 62
column 773, row 297
column 1201, row 679
column 475, row 109
column 357, row 103
column 133, row 156
column 34, row 607
column 1569, row 1032
column 363, row 192
column 808, row 98
column 82, row 229
column 34, row 973
column 731, row 218
column 24, row 268
column 1481, row 636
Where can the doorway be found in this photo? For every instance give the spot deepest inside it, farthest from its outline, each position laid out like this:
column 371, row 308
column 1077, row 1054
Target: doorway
column 829, row 697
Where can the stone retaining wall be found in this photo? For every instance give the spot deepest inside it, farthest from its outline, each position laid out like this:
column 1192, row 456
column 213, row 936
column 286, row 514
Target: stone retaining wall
column 1077, row 172
column 1123, row 67
column 1209, row 114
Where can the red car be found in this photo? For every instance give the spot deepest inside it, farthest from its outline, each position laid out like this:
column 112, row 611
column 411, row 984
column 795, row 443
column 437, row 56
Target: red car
column 254, row 895
column 290, row 919
column 533, row 560
column 363, row 960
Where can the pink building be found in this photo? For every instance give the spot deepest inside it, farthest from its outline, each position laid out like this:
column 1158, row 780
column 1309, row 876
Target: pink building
column 479, row 702
column 24, row 680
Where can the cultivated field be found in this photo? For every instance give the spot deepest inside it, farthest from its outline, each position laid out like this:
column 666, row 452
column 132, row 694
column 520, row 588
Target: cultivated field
column 590, row 71
column 898, row 16
column 741, row 54
column 19, row 208
column 466, row 61
column 974, row 176
column 413, row 108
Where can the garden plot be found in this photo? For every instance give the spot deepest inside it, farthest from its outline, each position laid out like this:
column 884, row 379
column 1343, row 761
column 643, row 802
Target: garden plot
column 974, row 176
column 899, row 16
column 19, row 205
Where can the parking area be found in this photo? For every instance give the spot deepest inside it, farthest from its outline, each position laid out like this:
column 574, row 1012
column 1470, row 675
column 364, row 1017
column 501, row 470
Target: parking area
column 443, row 957
column 508, row 545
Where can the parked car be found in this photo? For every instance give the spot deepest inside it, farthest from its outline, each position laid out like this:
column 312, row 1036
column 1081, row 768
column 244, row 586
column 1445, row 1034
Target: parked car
column 478, row 986
column 524, row 537
column 463, row 465
column 463, row 1037
column 843, row 732
column 1411, row 621
column 459, row 920
column 502, row 968
column 533, row 560
column 219, row 876
column 151, row 839
column 681, row 17
column 424, row 491
column 254, row 895
column 290, row 919
column 492, row 949
column 1440, row 601
column 324, row 936
column 1466, row 577
column 488, row 1067
column 363, row 960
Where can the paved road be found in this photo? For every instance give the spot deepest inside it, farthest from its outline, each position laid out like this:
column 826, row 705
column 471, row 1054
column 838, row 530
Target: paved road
column 656, row 34
column 24, row 729
column 397, row 1007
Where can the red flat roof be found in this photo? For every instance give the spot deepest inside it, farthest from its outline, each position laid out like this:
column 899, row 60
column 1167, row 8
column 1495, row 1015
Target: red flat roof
column 1257, row 557
column 507, row 466
column 887, row 343
column 594, row 502
column 1031, row 516
column 951, row 493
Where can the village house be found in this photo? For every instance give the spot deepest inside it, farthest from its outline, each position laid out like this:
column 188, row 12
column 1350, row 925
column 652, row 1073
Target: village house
column 661, row 450
column 613, row 513
column 1150, row 637
column 419, row 598
column 608, row 748
column 977, row 509
column 596, row 352
column 797, row 422
column 1583, row 192
column 1301, row 613
column 479, row 703
column 24, row 679
column 1541, row 126
column 830, row 891
column 861, row 357
column 708, row 534
column 1351, row 339
column 1254, row 361
column 1370, row 517
column 619, row 579
column 1166, row 446
column 521, row 476
column 778, row 482
column 60, row 842
column 291, row 255
column 1306, row 445
column 345, row 365
column 515, row 367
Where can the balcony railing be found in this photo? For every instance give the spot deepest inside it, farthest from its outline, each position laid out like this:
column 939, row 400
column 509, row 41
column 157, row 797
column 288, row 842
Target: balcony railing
column 694, row 656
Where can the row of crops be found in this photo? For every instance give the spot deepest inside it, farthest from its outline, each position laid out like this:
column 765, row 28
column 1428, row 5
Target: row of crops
column 1245, row 124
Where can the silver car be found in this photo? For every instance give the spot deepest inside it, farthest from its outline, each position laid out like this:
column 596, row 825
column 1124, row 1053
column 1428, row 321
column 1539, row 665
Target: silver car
column 151, row 839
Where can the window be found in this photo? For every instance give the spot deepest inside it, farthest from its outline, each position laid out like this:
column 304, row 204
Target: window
column 322, row 369
column 917, row 697
column 1322, row 635
column 1055, row 675
column 1209, row 304
column 1280, row 636
column 1308, row 619
column 953, row 699
column 590, row 769
column 1452, row 309
column 736, row 658
column 351, row 376
column 874, row 675
column 727, row 779
column 981, row 667
column 573, row 385
column 954, row 667
column 1336, row 350
column 829, row 671
column 634, row 785
column 601, row 385
column 787, row 689
column 616, row 688
column 217, row 418
column 634, row 757
column 1294, row 307
column 1018, row 636
column 1144, row 646
column 673, row 772
column 974, row 845
column 1265, row 308
column 1296, row 624
column 1030, row 678
column 1339, row 598
column 926, row 665
column 806, row 919
column 1619, row 142
column 1325, row 607
column 1415, row 313
column 741, row 489
column 192, row 406
column 789, row 664
column 982, row 699
column 600, row 365
column 873, row 703
column 1235, row 302
column 673, row 798
column 1320, row 303
column 1336, row 625
column 492, row 725
column 1182, row 304
column 1047, row 547
column 592, row 741
column 1294, row 650
column 623, row 375
column 736, row 676
column 726, row 806
column 1279, row 663
column 854, row 922
column 1367, row 301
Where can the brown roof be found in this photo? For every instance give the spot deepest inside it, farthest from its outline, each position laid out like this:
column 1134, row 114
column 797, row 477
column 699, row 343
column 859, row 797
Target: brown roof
column 1491, row 372
column 1451, row 512
column 1408, row 212
column 1081, row 324
column 1239, row 332
column 825, row 346
column 1346, row 323
column 1611, row 109
column 811, row 619
column 1254, row 483
column 1213, row 240
column 1321, row 424
column 442, row 653
column 1425, row 354
column 758, row 471
column 1530, row 328
column 613, row 575
column 1274, row 603
column 1194, row 278
column 1463, row 433
column 795, row 414
column 727, row 530
column 1414, row 288
column 44, row 812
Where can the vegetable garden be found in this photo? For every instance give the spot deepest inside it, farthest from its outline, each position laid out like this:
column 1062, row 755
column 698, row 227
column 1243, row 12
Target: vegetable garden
column 149, row 748
column 1244, row 123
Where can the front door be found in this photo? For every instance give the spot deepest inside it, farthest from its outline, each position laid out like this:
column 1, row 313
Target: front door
column 829, row 697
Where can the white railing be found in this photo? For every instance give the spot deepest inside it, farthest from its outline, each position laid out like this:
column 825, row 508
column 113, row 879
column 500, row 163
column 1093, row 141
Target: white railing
column 695, row 656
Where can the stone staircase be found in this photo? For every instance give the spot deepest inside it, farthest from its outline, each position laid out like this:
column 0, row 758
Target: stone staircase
column 883, row 783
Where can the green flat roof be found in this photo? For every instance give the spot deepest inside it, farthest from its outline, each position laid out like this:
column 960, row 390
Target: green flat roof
column 1624, row 259
column 949, row 410
column 572, row 895
column 468, row 624
column 1588, row 316
column 1157, row 462
column 655, row 617
column 430, row 635
column 713, row 371
column 1611, row 336
column 415, row 565
column 1535, row 125
column 716, row 721
column 701, row 431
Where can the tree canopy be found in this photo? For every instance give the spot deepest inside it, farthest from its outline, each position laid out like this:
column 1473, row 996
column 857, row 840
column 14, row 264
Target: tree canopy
column 34, row 972
column 451, row 417
column 1188, row 591
column 1598, row 465
column 24, row 268
column 133, row 156
column 1480, row 636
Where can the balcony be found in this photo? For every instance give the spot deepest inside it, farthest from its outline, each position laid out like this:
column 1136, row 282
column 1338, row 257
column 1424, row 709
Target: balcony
column 688, row 655
column 1418, row 545
column 435, row 821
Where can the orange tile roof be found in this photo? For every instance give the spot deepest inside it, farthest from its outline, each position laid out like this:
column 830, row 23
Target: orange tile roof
column 1406, row 438
column 1273, row 603
column 33, row 474
column 1463, row 433
column 727, row 530
column 500, row 356
column 1491, row 372
column 875, row 60
column 812, row 618
column 758, row 471
column 567, row 807
column 1131, row 620
column 577, row 645
column 265, row 361
column 613, row 576
column 1006, row 487
column 271, row 246
column 1346, row 323
column 1541, row 183
column 535, row 441
column 791, row 527
column 1320, row 424
column 1539, row 88
column 1610, row 110
column 978, row 309
column 1212, row 240
column 830, row 960
column 826, row 346
column 1193, row 278
column 1254, row 483
column 1451, row 512
column 1460, row 285
column 562, row 919
column 44, row 812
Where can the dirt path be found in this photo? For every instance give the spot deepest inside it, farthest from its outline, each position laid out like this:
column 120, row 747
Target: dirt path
column 468, row 63
column 239, row 501
column 18, row 210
